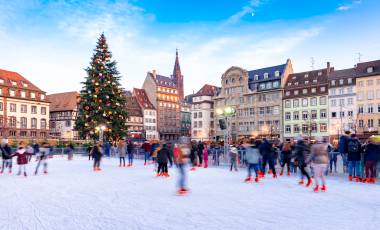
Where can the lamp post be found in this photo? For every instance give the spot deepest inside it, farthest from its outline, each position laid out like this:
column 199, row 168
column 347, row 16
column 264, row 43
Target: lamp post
column 225, row 113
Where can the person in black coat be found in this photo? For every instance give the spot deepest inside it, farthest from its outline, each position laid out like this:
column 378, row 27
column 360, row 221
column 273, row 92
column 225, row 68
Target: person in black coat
column 302, row 155
column 97, row 154
column 6, row 153
column 199, row 152
column 371, row 157
column 193, row 155
column 267, row 151
column 130, row 152
column 163, row 157
column 355, row 150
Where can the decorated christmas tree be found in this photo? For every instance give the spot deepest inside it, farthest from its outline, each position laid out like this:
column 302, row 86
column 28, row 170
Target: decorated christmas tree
column 101, row 108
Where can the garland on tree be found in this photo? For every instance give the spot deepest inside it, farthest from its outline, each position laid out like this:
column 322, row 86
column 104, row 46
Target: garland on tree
column 102, row 101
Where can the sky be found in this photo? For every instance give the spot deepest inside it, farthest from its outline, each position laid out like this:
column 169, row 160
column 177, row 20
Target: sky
column 51, row 42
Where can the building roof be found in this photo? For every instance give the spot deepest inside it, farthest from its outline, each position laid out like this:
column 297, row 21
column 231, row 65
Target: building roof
column 132, row 106
column 207, row 90
column 362, row 68
column 307, row 79
column 269, row 70
column 189, row 98
column 343, row 73
column 142, row 98
column 63, row 101
column 21, row 82
column 163, row 80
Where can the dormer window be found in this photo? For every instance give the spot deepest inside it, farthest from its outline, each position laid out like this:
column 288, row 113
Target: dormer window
column 256, row 77
column 266, row 75
column 25, row 85
column 306, row 75
column 233, row 80
column 294, row 77
column 341, row 82
column 226, row 81
column 1, row 81
column 315, row 81
column 370, row 69
column 323, row 89
column 14, row 83
column 349, row 80
column 240, row 79
column 296, row 92
column 319, row 73
column 287, row 93
column 12, row 93
column 23, row 94
column 32, row 95
column 42, row 96
column 304, row 91
column 277, row 73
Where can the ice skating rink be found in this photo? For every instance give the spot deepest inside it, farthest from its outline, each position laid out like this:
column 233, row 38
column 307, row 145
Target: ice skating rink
column 72, row 196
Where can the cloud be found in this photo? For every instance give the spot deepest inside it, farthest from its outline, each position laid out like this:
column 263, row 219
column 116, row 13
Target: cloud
column 247, row 9
column 345, row 7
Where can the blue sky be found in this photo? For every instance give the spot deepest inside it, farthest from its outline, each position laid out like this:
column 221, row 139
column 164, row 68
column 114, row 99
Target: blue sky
column 51, row 42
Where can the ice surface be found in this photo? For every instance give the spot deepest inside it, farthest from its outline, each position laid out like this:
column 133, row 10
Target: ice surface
column 72, row 196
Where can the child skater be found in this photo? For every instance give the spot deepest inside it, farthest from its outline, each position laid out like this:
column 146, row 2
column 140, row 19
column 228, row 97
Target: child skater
column 22, row 158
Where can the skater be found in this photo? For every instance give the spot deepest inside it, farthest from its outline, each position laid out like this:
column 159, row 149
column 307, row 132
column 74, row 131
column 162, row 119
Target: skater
column 163, row 157
column 200, row 153
column 181, row 161
column 205, row 156
column 233, row 158
column 286, row 153
column 267, row 151
column 333, row 158
column 97, row 154
column 22, row 159
column 176, row 151
column 302, row 154
column 147, row 147
column 252, row 156
column 6, row 153
column 43, row 156
column 130, row 152
column 69, row 150
column 320, row 159
column 354, row 158
column 371, row 157
column 89, row 149
column 343, row 150
column 121, row 151
column 30, row 151
column 193, row 155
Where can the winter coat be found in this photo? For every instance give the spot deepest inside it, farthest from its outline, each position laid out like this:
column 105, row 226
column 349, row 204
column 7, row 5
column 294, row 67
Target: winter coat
column 302, row 152
column 44, row 153
column 343, row 144
column 193, row 153
column 96, row 153
column 286, row 151
column 183, row 154
column 21, row 155
column 233, row 153
column 147, row 147
column 354, row 156
column 200, row 149
column 205, row 154
column 163, row 156
column 372, row 152
column 319, row 154
column 252, row 155
column 121, row 150
column 130, row 148
column 266, row 149
column 6, row 152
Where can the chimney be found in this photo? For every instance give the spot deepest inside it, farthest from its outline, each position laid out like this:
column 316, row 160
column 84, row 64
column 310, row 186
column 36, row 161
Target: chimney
column 154, row 73
column 328, row 68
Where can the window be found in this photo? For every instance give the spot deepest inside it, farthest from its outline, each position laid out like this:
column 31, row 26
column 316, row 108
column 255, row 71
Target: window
column 361, row 123
column 304, row 91
column 322, row 100
column 361, row 84
column 341, row 81
column 304, row 102
column 288, row 104
column 288, row 129
column 287, row 93
column 314, row 114
column 341, row 102
column 378, row 108
column 349, row 80
column 23, row 94
column 296, row 92
column 1, row 91
column 195, row 115
column 323, row 127
column 315, row 81
column 277, row 73
column 199, row 124
column 34, row 109
column 306, row 82
column 323, row 114
column 349, row 90
column 12, row 107
column 276, row 110
column 332, row 91
column 313, row 101
column 23, row 133
column 323, row 89
column 296, row 103
column 68, row 123
column 370, row 108
column 370, row 69
column 1, row 81
column 195, row 124
column 350, row 113
column 319, row 73
column 24, row 109
column 378, row 94
column 262, row 86
column 333, row 114
column 370, row 123
column 261, row 111
column 313, row 90
column 12, row 122
column 14, row 83
column 296, row 115
column 341, row 91
column 333, row 82
column 211, row 114
column 276, row 84
column 305, row 115
column 370, row 95
column 12, row 93
column 296, row 128
column 256, row 77
column 350, row 101
column 24, row 122
column 341, row 113
column 266, row 75
column 305, row 128
column 333, row 103
column 287, row 116
column 34, row 123
column 314, row 128
column 360, row 109
column 200, row 114
column 306, row 75
column 1, row 106
column 251, row 111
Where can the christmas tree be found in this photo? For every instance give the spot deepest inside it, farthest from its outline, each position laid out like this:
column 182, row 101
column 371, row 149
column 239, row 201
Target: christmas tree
column 101, row 108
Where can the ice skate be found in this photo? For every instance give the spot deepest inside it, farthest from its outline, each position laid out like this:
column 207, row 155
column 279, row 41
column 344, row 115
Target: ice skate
column 309, row 182
column 316, row 189
column 323, row 189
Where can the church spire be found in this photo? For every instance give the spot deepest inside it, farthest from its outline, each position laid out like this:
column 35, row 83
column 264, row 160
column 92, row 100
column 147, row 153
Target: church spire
column 177, row 76
column 177, row 68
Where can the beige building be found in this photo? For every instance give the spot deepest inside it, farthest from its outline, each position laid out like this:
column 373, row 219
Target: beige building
column 256, row 96
column 24, row 110
column 368, row 98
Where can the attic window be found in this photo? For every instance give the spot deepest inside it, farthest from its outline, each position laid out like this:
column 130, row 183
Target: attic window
column 319, row 73
column 294, row 77
column 1, row 81
column 14, row 83
column 277, row 73
column 266, row 75
column 306, row 75
column 370, row 69
column 33, row 95
column 25, row 85
column 256, row 77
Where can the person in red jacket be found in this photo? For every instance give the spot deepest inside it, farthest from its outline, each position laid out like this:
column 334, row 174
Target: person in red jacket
column 22, row 158
column 205, row 156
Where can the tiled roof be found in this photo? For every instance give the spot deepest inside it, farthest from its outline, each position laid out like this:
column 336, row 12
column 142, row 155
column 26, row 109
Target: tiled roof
column 163, row 80
column 306, row 79
column 361, row 68
column 21, row 82
column 133, row 107
column 343, row 73
column 142, row 98
column 207, row 90
column 269, row 70
column 63, row 101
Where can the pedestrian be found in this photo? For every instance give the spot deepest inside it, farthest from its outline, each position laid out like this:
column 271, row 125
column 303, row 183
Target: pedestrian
column 354, row 150
column 302, row 155
column 267, row 151
column 181, row 162
column 286, row 153
column 130, row 152
column 147, row 148
column 89, row 149
column 22, row 159
column 371, row 157
column 343, row 149
column 69, row 150
column 233, row 157
column 97, row 155
column 319, row 158
column 43, row 156
column 121, row 151
column 6, row 153
column 163, row 157
column 200, row 153
column 30, row 152
column 205, row 156
column 252, row 156
column 193, row 155
column 333, row 159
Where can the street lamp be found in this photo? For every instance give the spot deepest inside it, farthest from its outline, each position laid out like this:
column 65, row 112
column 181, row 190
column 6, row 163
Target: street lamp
column 101, row 129
column 225, row 113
